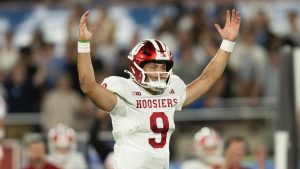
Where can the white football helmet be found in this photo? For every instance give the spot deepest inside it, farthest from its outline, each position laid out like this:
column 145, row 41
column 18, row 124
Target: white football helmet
column 150, row 50
column 209, row 145
column 62, row 136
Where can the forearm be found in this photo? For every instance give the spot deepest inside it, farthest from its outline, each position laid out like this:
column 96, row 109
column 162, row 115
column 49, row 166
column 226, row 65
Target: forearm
column 214, row 69
column 86, row 72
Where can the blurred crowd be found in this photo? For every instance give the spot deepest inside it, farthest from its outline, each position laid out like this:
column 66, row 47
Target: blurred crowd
column 39, row 74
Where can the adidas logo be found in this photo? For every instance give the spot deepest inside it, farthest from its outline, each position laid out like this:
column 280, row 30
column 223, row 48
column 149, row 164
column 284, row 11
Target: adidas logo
column 172, row 91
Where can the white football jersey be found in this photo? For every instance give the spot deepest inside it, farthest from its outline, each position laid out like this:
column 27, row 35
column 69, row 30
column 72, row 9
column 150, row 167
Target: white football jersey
column 143, row 123
column 73, row 160
column 194, row 164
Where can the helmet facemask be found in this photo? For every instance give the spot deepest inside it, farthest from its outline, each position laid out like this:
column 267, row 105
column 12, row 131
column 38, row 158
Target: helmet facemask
column 61, row 137
column 150, row 51
column 208, row 145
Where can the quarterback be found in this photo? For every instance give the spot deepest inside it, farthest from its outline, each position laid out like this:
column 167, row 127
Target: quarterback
column 142, row 107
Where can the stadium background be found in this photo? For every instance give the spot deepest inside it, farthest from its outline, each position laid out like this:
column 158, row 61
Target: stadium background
column 255, row 98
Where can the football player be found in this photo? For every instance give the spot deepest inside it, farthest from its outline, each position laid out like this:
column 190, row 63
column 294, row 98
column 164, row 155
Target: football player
column 142, row 107
column 62, row 146
column 208, row 145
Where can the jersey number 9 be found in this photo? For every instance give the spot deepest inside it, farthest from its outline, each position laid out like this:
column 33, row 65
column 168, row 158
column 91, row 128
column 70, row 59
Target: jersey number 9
column 162, row 131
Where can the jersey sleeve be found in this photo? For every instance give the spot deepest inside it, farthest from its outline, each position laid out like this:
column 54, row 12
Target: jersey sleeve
column 181, row 94
column 116, row 85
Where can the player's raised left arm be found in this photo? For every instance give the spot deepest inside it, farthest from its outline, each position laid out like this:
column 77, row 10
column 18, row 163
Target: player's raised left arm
column 216, row 67
column 101, row 97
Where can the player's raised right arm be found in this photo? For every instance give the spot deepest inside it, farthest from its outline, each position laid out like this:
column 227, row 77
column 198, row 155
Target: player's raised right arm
column 102, row 98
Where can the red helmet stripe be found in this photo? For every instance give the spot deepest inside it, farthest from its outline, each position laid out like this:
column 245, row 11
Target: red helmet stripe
column 154, row 44
column 161, row 49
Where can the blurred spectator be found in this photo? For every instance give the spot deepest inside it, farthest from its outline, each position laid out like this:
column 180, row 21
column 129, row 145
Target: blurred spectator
column 261, row 29
column 62, row 146
column 72, row 29
column 248, row 62
column 76, row 10
column 209, row 147
column 37, row 44
column 271, row 78
column 49, row 66
column 200, row 24
column 61, row 104
column 37, row 154
column 167, row 31
column 121, row 64
column 193, row 32
column 294, row 34
column 261, row 159
column 8, row 54
column 187, row 68
column 21, row 91
column 106, row 48
column 234, row 151
column 2, row 88
column 103, row 146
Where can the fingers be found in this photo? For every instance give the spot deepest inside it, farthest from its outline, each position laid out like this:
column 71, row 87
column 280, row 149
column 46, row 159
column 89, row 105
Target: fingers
column 227, row 16
column 233, row 16
column 232, row 19
column 84, row 17
column 238, row 18
column 218, row 28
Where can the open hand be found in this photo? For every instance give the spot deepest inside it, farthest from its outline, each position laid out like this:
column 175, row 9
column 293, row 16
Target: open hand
column 231, row 29
column 84, row 33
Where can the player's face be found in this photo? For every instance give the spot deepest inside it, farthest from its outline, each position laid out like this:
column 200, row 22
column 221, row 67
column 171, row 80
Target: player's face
column 236, row 151
column 156, row 70
column 36, row 152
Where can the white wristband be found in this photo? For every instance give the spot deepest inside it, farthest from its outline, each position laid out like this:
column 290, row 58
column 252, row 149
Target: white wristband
column 227, row 45
column 84, row 47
